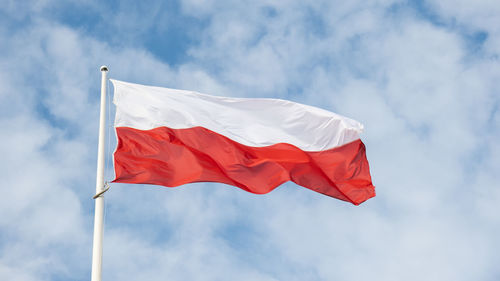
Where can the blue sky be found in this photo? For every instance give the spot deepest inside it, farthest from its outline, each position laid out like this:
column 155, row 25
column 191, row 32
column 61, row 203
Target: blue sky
column 421, row 75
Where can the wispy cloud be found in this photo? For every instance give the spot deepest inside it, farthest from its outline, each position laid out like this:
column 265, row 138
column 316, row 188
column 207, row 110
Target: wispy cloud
column 422, row 77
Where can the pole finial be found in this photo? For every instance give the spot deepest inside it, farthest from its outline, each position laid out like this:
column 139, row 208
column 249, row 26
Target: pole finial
column 104, row 68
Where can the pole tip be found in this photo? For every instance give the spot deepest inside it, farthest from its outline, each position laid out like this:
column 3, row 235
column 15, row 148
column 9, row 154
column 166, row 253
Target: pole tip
column 104, row 68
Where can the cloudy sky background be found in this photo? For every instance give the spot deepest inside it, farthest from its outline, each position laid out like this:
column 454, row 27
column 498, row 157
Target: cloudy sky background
column 421, row 75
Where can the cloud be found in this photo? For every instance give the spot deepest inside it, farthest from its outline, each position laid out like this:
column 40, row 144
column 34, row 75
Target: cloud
column 428, row 100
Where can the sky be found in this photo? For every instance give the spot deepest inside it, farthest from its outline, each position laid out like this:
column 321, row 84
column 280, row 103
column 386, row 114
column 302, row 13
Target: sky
column 422, row 76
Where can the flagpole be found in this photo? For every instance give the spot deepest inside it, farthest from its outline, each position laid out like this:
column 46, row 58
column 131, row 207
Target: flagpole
column 99, row 187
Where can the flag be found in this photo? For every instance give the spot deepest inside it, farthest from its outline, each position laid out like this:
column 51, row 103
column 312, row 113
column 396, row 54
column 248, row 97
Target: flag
column 172, row 137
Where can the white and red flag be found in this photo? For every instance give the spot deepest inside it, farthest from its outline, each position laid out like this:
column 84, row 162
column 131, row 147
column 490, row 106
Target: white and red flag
column 172, row 137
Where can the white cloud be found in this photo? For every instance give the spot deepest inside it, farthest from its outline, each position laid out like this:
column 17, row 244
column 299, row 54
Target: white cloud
column 480, row 16
column 431, row 113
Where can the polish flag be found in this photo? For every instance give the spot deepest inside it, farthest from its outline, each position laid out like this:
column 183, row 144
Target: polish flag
column 172, row 137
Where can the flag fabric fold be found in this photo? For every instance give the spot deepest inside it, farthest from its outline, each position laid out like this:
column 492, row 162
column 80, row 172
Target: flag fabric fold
column 172, row 137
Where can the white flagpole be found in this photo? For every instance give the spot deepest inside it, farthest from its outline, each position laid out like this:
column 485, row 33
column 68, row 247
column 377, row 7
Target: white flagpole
column 99, row 187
